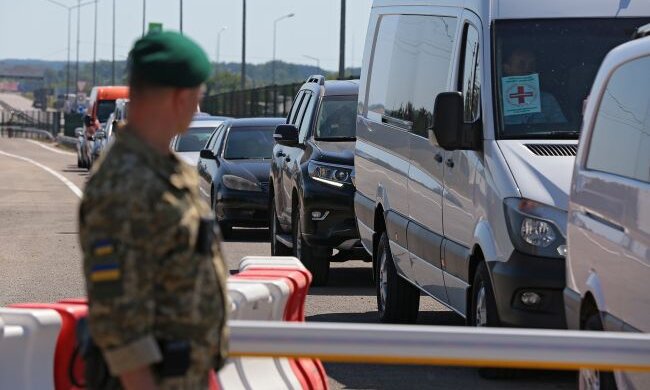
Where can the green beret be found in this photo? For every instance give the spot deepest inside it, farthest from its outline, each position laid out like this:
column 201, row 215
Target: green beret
column 168, row 59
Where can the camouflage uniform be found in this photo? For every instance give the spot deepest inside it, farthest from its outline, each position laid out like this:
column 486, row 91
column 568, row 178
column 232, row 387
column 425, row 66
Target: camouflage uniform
column 154, row 273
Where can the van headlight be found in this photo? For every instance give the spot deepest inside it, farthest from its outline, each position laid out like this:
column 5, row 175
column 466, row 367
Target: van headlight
column 332, row 174
column 535, row 228
column 239, row 183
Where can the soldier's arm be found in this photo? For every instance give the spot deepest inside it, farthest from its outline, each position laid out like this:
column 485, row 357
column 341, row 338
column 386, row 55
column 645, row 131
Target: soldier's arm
column 117, row 233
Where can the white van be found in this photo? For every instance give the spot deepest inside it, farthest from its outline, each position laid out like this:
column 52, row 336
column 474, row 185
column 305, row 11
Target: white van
column 608, row 260
column 468, row 121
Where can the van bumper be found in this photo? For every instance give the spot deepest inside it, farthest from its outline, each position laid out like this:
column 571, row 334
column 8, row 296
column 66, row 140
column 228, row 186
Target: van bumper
column 525, row 273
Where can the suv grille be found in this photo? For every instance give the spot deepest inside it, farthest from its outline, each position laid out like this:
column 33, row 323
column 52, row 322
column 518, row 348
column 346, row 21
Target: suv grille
column 265, row 186
column 553, row 149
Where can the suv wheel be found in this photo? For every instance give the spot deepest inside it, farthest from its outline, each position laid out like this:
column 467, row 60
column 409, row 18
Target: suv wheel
column 484, row 313
column 277, row 248
column 589, row 379
column 398, row 301
column 316, row 259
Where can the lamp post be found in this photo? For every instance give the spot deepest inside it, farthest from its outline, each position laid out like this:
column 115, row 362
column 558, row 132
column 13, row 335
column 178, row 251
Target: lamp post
column 69, row 9
column 342, row 43
column 181, row 17
column 224, row 28
column 113, row 63
column 275, row 28
column 95, row 49
column 243, row 49
column 313, row 58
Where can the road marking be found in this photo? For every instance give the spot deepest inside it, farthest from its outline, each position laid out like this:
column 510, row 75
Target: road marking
column 51, row 149
column 75, row 190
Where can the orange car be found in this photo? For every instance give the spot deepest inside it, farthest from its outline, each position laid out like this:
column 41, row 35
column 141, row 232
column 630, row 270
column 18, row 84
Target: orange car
column 102, row 101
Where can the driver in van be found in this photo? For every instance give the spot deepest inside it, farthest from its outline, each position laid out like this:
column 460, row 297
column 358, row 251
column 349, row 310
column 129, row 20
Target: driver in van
column 522, row 62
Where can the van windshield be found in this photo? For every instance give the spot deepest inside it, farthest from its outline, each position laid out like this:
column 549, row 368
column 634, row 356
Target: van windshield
column 104, row 109
column 544, row 71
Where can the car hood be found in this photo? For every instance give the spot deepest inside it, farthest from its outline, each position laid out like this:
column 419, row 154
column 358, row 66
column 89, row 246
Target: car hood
column 337, row 152
column 191, row 158
column 543, row 175
column 253, row 170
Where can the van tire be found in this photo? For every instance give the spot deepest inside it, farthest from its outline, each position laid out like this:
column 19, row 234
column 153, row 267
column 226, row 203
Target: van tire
column 595, row 379
column 484, row 313
column 315, row 259
column 401, row 300
column 277, row 248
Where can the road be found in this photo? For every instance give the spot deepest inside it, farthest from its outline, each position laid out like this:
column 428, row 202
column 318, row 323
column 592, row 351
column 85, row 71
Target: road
column 16, row 101
column 40, row 261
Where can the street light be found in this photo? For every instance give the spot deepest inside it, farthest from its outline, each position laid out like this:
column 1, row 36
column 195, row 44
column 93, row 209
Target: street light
column 313, row 58
column 144, row 14
column 181, row 17
column 275, row 27
column 69, row 8
column 224, row 28
column 243, row 50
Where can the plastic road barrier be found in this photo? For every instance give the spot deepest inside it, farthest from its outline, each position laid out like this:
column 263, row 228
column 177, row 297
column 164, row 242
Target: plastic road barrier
column 27, row 348
column 68, row 364
column 273, row 262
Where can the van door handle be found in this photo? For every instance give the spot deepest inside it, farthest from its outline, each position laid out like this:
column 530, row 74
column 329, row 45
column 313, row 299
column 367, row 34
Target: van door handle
column 449, row 163
column 438, row 158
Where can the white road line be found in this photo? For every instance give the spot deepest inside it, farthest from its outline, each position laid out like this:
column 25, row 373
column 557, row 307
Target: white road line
column 65, row 181
column 51, row 149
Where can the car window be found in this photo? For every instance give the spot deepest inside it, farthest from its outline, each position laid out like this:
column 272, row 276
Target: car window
column 305, row 125
column 249, row 143
column 213, row 138
column 294, row 108
column 194, row 139
column 620, row 140
column 337, row 118
column 219, row 141
column 303, row 108
column 470, row 80
column 409, row 68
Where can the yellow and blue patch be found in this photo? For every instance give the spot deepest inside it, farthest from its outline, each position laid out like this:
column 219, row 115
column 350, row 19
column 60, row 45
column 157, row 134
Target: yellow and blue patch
column 103, row 248
column 105, row 273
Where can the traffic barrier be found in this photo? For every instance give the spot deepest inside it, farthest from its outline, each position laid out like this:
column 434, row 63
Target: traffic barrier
column 68, row 365
column 443, row 345
column 272, row 262
column 27, row 348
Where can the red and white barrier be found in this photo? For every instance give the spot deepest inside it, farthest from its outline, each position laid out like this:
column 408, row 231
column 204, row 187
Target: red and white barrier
column 38, row 342
column 27, row 348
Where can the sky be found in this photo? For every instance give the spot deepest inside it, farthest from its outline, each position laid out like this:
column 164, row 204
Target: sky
column 38, row 29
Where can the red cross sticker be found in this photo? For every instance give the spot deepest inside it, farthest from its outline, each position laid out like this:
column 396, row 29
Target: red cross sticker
column 521, row 94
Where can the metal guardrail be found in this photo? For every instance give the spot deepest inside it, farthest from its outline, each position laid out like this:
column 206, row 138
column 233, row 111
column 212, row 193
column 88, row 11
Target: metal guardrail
column 24, row 132
column 269, row 101
column 442, row 345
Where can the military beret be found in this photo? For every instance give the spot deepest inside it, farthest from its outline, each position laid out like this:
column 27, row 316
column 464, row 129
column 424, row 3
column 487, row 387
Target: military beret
column 168, row 59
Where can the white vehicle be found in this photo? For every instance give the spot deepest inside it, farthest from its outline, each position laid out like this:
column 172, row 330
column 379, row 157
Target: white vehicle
column 608, row 261
column 465, row 199
column 189, row 144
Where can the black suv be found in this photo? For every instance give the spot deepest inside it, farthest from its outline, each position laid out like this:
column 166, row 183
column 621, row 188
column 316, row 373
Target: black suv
column 311, row 196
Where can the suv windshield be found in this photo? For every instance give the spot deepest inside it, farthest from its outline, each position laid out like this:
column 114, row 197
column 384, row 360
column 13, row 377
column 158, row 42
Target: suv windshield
column 337, row 119
column 194, row 139
column 245, row 143
column 104, row 109
column 544, row 70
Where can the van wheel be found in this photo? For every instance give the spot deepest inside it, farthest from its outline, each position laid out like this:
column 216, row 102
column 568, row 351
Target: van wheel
column 484, row 313
column 589, row 379
column 398, row 301
column 316, row 259
column 277, row 248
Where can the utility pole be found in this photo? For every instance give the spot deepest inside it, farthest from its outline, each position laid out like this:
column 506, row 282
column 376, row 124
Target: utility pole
column 76, row 72
column 113, row 64
column 67, row 76
column 342, row 43
column 243, row 48
column 144, row 14
column 95, row 49
column 181, row 16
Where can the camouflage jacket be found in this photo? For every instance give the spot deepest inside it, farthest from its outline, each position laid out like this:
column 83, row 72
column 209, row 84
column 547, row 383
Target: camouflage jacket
column 154, row 273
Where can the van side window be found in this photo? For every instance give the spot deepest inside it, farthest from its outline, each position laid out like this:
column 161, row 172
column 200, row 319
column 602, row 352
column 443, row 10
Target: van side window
column 620, row 141
column 470, row 79
column 305, row 125
column 410, row 67
column 303, row 108
column 291, row 119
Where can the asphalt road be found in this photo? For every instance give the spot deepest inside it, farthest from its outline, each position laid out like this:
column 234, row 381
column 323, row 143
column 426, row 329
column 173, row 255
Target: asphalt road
column 40, row 261
column 16, row 101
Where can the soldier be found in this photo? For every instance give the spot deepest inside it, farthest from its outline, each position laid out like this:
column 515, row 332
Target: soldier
column 154, row 273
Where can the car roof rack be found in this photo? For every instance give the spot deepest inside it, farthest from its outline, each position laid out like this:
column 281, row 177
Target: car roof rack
column 317, row 78
column 642, row 31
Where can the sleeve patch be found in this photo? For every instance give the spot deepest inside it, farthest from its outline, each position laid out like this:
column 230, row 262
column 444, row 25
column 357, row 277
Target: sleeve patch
column 105, row 272
column 103, row 248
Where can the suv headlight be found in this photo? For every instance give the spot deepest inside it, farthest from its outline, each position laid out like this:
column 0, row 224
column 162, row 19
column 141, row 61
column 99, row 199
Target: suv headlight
column 332, row 174
column 239, row 183
column 535, row 228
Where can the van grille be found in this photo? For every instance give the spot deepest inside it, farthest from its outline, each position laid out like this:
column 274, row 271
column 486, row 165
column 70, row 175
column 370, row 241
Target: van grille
column 553, row 149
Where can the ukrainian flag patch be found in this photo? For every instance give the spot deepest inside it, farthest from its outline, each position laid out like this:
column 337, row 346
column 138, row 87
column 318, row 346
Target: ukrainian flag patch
column 105, row 273
column 103, row 248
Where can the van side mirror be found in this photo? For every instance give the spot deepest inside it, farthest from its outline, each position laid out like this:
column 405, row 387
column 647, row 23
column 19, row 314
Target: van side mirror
column 207, row 154
column 286, row 135
column 450, row 130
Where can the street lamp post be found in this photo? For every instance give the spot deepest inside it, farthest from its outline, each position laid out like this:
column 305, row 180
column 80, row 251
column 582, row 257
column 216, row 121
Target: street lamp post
column 113, row 63
column 243, row 50
column 181, row 1
column 76, row 69
column 275, row 28
column 95, row 49
column 216, row 65
column 144, row 14
column 313, row 58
